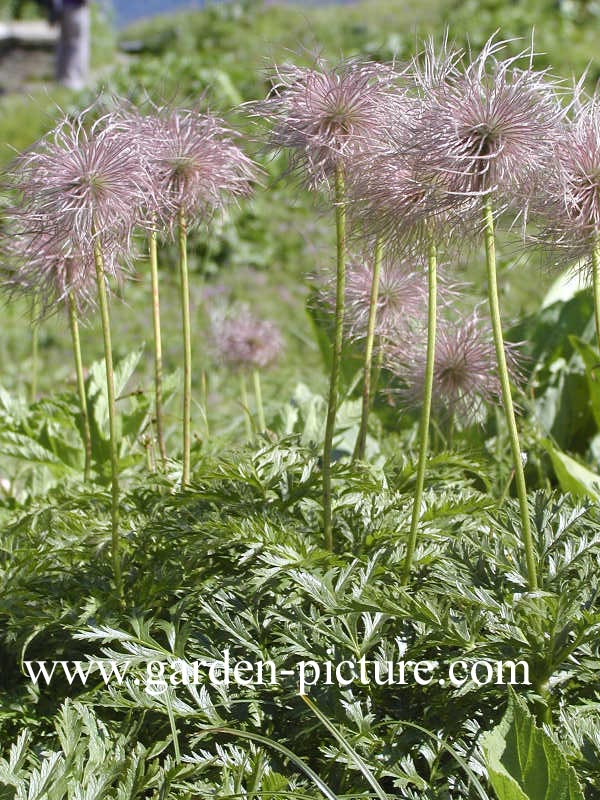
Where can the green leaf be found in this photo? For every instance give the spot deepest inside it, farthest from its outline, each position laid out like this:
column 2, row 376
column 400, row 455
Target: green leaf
column 524, row 763
column 572, row 476
column 591, row 361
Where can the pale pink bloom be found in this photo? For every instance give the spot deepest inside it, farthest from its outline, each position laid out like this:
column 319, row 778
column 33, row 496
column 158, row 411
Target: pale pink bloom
column 242, row 341
column 324, row 116
column 465, row 372
column 192, row 161
column 491, row 127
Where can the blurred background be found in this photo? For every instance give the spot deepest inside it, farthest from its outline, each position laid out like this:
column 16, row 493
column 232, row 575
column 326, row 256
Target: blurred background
column 264, row 252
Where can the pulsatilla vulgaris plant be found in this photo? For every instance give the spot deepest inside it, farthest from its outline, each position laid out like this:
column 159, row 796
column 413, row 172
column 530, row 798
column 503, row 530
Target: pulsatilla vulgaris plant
column 324, row 117
column 488, row 132
column 195, row 169
column 79, row 191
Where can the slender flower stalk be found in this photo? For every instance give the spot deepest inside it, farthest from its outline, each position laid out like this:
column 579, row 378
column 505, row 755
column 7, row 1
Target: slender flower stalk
column 338, row 342
column 245, row 406
column 368, row 387
column 596, row 284
column 112, row 415
column 158, row 406
column 425, row 413
column 490, row 251
column 194, row 170
column 187, row 347
column 83, row 406
column 35, row 342
column 260, row 411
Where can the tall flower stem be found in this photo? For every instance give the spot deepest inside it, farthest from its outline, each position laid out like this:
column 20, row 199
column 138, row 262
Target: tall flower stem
column 87, row 436
column 425, row 412
column 112, row 414
column 509, row 411
column 158, row 407
column 35, row 346
column 187, row 347
column 245, row 406
column 596, row 284
column 340, row 224
column 361, row 439
column 260, row 410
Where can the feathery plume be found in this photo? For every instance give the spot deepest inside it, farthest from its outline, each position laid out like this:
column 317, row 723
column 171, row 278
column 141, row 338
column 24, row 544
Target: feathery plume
column 325, row 115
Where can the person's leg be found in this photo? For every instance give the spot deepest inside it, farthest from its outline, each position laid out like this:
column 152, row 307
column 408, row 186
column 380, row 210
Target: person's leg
column 73, row 51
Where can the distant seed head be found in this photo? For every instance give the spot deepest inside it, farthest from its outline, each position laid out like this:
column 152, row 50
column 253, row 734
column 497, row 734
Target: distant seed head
column 242, row 341
column 325, row 115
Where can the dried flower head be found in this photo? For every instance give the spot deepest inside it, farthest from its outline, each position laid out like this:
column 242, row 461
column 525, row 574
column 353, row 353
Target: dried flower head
column 465, row 371
column 242, row 341
column 402, row 298
column 81, row 185
column 325, row 115
column 491, row 127
column 192, row 160
column 49, row 269
column 569, row 198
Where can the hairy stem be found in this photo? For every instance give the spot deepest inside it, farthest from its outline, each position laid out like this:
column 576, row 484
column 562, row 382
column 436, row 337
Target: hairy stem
column 245, row 406
column 112, row 415
column 35, row 346
column 507, row 401
column 158, row 407
column 425, row 413
column 361, row 439
column 87, row 436
column 260, row 411
column 187, row 347
column 340, row 224
column 596, row 284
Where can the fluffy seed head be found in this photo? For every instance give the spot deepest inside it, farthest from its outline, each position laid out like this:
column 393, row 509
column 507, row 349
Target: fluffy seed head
column 491, row 127
column 465, row 372
column 402, row 299
column 193, row 162
column 81, row 185
column 325, row 115
column 569, row 198
column 242, row 341
column 44, row 267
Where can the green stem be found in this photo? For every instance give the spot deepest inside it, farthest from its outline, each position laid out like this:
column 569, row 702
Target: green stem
column 361, row 439
column 35, row 341
column 112, row 415
column 596, row 282
column 160, row 430
column 377, row 371
column 87, row 436
column 187, row 347
column 425, row 412
column 509, row 411
column 340, row 224
column 260, row 411
column 204, row 389
column 245, row 406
